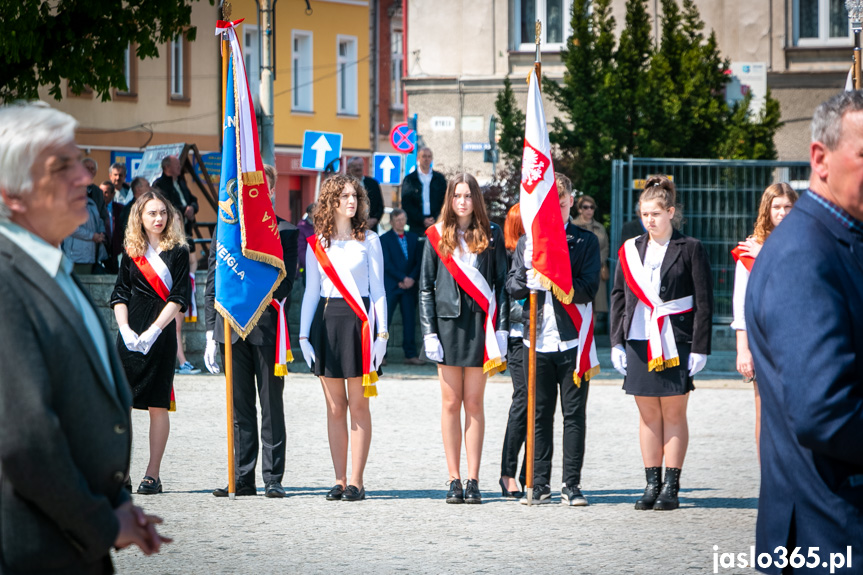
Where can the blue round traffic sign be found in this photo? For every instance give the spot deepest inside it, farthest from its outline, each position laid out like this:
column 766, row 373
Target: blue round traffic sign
column 403, row 138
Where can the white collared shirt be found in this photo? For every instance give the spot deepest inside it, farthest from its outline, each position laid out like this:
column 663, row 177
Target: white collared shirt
column 425, row 180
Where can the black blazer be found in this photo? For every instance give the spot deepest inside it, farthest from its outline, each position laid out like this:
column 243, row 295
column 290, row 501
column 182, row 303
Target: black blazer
column 685, row 271
column 265, row 332
column 65, row 428
column 440, row 295
column 165, row 184
column 396, row 267
column 584, row 261
column 376, row 198
column 412, row 198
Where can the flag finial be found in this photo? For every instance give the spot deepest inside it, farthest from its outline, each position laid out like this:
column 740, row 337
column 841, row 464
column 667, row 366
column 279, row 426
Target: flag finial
column 226, row 11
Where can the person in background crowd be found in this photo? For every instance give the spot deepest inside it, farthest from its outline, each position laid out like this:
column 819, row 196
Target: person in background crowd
column 306, row 230
column 113, row 232
column 402, row 258
column 254, row 365
column 140, row 186
column 804, row 321
column 467, row 337
column 586, row 219
column 84, row 247
column 516, row 426
column 634, row 227
column 662, row 310
column 94, row 192
column 118, row 180
column 376, row 199
column 64, row 401
column 152, row 287
column 776, row 201
column 557, row 354
column 344, row 306
column 423, row 193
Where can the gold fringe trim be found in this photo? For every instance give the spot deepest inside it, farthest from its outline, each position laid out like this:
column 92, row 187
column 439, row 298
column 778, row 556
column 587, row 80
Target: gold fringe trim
column 369, row 387
column 191, row 320
column 253, row 178
column 658, row 364
column 562, row 296
column 173, row 406
column 590, row 373
column 494, row 366
column 281, row 370
column 289, row 357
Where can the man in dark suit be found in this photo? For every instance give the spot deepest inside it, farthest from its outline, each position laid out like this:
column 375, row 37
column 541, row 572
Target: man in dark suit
column 173, row 186
column 423, row 191
column 254, row 359
column 556, row 352
column 807, row 343
column 113, row 231
column 402, row 259
column 376, row 199
column 65, row 434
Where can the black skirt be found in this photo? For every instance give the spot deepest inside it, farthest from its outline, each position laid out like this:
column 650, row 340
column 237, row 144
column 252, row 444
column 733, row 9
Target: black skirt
column 337, row 338
column 463, row 337
column 151, row 376
column 670, row 381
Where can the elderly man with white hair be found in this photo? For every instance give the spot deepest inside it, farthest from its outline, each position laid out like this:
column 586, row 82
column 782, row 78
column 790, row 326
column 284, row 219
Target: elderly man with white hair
column 65, row 428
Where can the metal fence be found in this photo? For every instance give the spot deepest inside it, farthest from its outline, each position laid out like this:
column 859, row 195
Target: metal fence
column 720, row 201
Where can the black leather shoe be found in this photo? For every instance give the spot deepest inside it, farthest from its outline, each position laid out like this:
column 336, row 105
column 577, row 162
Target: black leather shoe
column 651, row 491
column 667, row 500
column 241, row 490
column 274, row 490
column 335, row 494
column 354, row 494
column 150, row 486
column 471, row 492
column 509, row 494
column 455, row 493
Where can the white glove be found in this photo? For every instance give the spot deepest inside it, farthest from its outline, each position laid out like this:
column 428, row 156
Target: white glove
column 308, row 351
column 618, row 359
column 130, row 338
column 502, row 341
column 210, row 354
column 148, row 338
column 434, row 350
column 379, row 352
column 533, row 282
column 528, row 252
column 697, row 361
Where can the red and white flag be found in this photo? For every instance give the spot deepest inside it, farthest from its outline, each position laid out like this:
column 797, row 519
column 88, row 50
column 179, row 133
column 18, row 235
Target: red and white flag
column 540, row 208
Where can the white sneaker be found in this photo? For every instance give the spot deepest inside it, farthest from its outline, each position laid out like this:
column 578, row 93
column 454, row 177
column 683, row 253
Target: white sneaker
column 188, row 369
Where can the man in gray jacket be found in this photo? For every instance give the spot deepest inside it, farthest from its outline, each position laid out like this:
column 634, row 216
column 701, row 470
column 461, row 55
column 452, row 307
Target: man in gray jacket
column 65, row 432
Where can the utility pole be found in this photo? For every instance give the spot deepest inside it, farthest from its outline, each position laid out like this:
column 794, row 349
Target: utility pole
column 266, row 17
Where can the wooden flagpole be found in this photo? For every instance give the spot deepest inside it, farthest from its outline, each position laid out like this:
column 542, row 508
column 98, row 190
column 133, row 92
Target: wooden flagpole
column 531, row 353
column 227, row 92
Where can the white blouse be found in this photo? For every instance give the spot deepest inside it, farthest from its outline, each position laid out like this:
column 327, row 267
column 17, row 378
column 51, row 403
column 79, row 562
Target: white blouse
column 653, row 265
column 738, row 298
column 365, row 261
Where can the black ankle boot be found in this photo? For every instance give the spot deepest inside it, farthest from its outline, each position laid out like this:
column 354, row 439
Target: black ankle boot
column 651, row 492
column 667, row 499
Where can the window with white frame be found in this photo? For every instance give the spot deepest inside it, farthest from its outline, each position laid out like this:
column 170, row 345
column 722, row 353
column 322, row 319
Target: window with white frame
column 346, row 74
column 821, row 22
column 129, row 72
column 555, row 17
column 301, row 71
column 396, row 64
column 252, row 58
column 177, row 62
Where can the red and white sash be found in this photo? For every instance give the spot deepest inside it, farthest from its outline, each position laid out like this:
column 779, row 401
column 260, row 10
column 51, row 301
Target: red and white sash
column 159, row 277
column 344, row 282
column 155, row 272
column 661, row 349
column 283, row 339
column 192, row 310
column 471, row 281
column 745, row 259
column 587, row 364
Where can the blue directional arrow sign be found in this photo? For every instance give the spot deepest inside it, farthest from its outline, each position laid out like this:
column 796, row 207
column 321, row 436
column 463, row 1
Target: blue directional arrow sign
column 388, row 169
column 320, row 149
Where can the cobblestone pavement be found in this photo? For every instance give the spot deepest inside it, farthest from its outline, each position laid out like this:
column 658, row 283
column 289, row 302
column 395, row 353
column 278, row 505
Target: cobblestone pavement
column 405, row 527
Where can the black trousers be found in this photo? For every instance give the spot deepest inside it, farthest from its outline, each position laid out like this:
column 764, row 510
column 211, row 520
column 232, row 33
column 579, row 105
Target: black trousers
column 516, row 426
column 253, row 369
column 408, row 302
column 554, row 370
